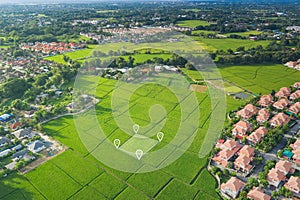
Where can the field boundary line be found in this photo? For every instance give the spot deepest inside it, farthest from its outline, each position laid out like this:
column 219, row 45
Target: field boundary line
column 162, row 188
column 35, row 187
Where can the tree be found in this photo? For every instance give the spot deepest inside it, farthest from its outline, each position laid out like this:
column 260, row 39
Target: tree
column 41, row 80
column 189, row 66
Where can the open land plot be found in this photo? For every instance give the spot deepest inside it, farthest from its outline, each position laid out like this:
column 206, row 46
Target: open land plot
column 192, row 23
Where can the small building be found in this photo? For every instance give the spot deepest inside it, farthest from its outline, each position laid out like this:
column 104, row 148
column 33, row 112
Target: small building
column 284, row 92
column 5, row 153
column 3, row 141
column 295, row 109
column 285, row 167
column 240, row 129
column 247, row 151
column 275, row 177
column 279, row 120
column 281, row 104
column 297, row 85
column 247, row 112
column 265, row 100
column 5, row 117
column 19, row 155
column 257, row 194
column 293, row 184
column 263, row 116
column 15, row 125
column 257, row 136
column 232, row 187
column 228, row 150
column 36, row 146
column 295, row 95
column 22, row 133
column 242, row 163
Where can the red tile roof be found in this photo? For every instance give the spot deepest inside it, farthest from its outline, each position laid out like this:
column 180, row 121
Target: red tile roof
column 281, row 104
column 279, row 120
column 233, row 184
column 284, row 166
column 265, row 100
column 293, row 184
column 263, row 115
column 257, row 194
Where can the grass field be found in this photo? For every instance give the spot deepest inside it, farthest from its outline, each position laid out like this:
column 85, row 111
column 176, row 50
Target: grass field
column 84, row 177
column 203, row 31
column 260, row 78
column 227, row 43
column 246, row 34
column 192, row 23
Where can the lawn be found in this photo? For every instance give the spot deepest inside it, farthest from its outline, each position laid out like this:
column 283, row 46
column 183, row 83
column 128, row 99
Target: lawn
column 192, row 23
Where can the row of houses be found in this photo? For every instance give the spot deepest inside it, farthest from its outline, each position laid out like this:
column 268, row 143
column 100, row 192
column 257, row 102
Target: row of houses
column 276, row 178
column 51, row 48
column 233, row 187
column 241, row 155
column 20, row 145
column 293, row 64
column 231, row 150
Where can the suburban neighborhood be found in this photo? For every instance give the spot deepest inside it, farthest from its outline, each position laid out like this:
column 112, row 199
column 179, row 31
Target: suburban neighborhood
column 260, row 157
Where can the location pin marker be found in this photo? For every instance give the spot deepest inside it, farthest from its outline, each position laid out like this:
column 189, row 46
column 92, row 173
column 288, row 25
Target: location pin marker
column 136, row 128
column 117, row 143
column 160, row 136
column 139, row 154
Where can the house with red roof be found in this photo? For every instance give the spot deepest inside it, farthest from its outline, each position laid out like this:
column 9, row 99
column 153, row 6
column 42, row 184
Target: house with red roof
column 275, row 177
column 281, row 104
column 293, row 184
column 242, row 163
column 257, row 135
column 296, row 151
column 228, row 150
column 248, row 151
column 265, row 100
column 295, row 108
column 257, row 194
column 295, row 95
column 279, row 120
column 240, row 129
column 263, row 116
column 283, row 92
column 297, row 85
column 285, row 166
column 247, row 112
column 232, row 187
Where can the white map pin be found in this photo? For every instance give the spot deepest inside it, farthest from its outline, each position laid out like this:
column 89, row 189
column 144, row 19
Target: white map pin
column 160, row 136
column 136, row 128
column 139, row 154
column 117, row 143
